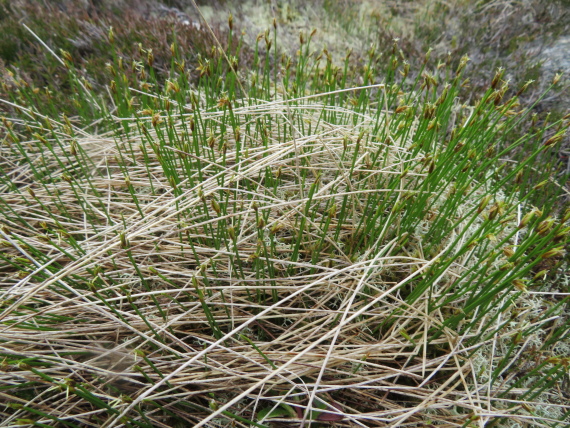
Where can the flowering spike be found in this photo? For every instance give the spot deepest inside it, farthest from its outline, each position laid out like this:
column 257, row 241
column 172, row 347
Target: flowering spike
column 554, row 252
column 484, row 203
column 497, row 78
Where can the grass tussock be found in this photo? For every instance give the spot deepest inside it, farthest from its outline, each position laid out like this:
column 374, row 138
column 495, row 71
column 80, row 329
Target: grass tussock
column 276, row 246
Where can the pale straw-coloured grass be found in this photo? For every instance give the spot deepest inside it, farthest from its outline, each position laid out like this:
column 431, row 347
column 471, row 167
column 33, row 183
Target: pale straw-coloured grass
column 170, row 278
column 349, row 255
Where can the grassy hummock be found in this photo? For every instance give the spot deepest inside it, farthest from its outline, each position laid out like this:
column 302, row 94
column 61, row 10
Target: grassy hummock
column 229, row 247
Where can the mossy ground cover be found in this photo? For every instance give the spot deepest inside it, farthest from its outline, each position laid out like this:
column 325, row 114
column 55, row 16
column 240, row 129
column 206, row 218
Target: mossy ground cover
column 209, row 229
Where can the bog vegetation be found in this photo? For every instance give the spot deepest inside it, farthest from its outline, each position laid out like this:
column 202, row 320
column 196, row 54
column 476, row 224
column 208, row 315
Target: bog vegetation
column 236, row 236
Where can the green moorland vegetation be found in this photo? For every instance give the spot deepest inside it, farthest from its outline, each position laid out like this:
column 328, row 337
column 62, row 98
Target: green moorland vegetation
column 207, row 224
